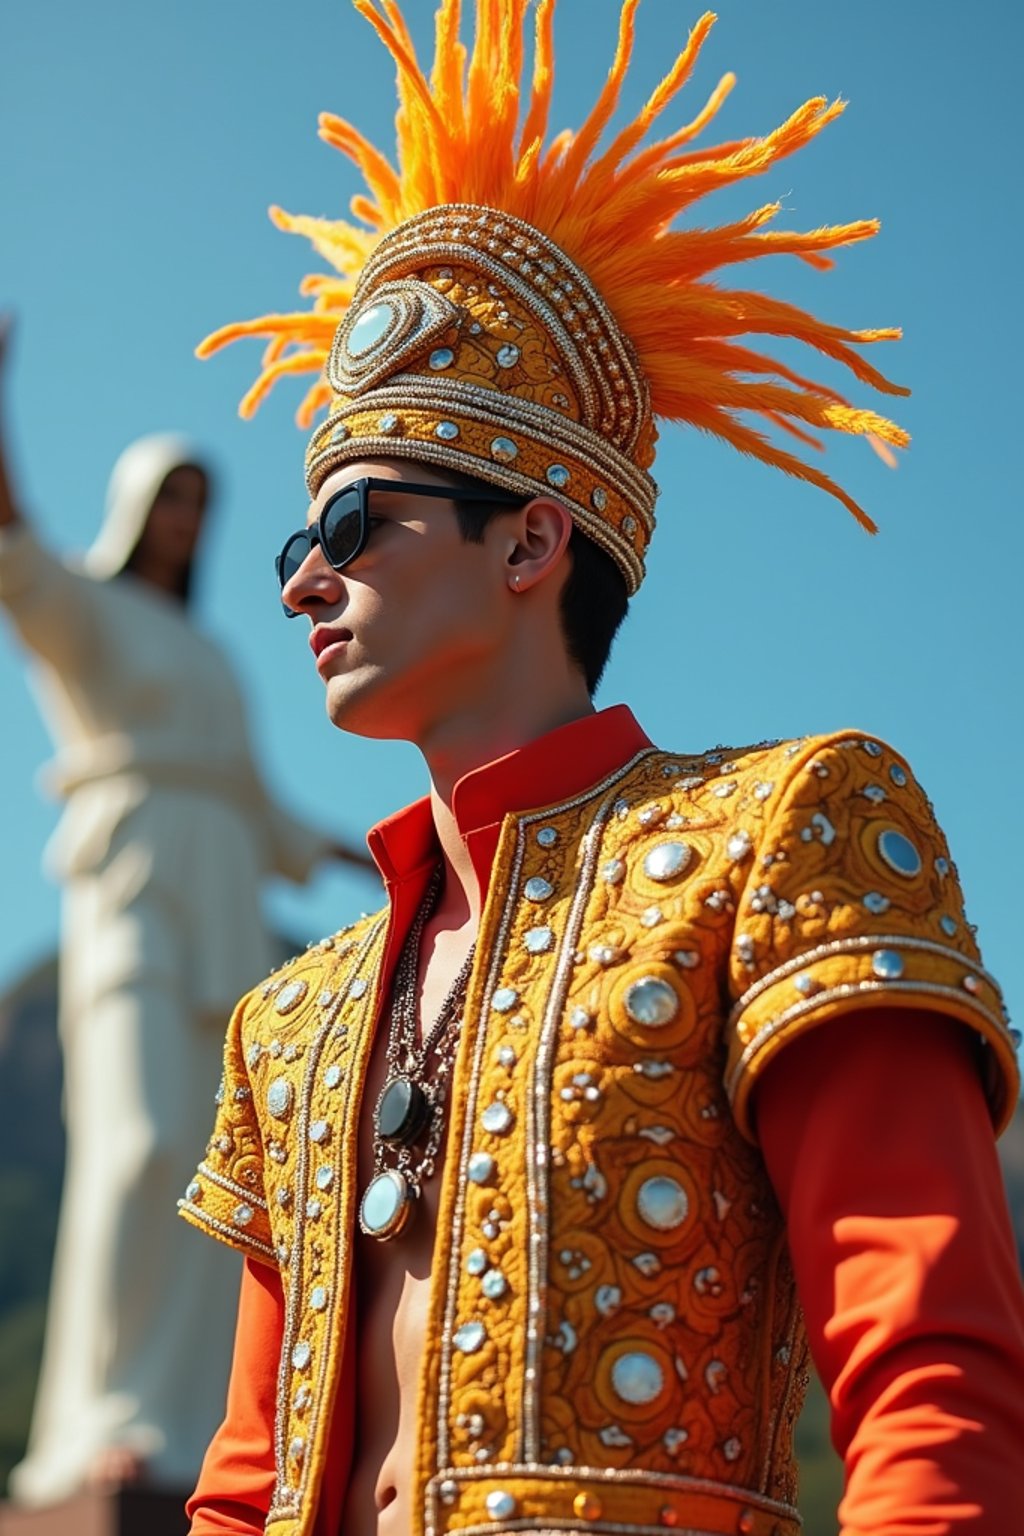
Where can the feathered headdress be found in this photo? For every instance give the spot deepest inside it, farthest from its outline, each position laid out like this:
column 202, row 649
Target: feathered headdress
column 523, row 310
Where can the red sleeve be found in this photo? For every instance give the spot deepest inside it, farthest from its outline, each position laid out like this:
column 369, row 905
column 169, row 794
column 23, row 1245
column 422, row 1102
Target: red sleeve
column 876, row 1136
column 237, row 1478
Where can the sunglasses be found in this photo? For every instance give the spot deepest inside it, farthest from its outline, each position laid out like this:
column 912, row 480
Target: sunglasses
column 342, row 530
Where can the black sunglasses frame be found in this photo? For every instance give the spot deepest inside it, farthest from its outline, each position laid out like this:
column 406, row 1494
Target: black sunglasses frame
column 314, row 534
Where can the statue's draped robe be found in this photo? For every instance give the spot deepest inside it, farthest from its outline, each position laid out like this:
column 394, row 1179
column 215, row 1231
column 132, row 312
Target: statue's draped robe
column 165, row 837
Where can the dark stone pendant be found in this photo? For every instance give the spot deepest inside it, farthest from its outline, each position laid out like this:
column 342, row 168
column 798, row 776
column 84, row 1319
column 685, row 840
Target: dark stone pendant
column 402, row 1113
column 386, row 1205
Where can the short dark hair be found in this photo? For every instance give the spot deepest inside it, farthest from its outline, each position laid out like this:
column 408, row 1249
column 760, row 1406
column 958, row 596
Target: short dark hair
column 594, row 598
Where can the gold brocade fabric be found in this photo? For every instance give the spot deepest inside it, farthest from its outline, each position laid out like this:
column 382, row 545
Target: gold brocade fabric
column 616, row 1343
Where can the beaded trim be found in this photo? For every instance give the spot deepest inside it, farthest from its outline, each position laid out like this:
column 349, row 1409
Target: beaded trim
column 233, row 1235
column 231, row 1186
column 855, row 989
column 857, row 945
column 598, row 1477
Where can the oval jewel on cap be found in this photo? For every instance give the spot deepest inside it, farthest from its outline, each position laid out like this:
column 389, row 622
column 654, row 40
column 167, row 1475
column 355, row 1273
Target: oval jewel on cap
column 370, row 329
column 887, row 964
column 503, row 449
column 899, row 853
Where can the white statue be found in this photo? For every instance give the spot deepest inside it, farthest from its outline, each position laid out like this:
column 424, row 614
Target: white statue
column 166, row 836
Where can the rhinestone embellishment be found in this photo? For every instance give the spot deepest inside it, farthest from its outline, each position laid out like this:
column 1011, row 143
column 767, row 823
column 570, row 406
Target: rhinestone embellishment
column 501, row 1505
column 447, row 431
column 538, row 940
column 538, row 889
column 481, row 1167
column 662, row 1203
column 290, row 996
column 508, row 355
column 948, row 926
column 280, row 1096
column 443, row 357
column 505, row 999
column 887, row 964
column 651, row 1002
column 666, row 861
column 599, row 498
column 899, row 853
column 547, row 837
column 388, row 423
column 637, row 1378
column 494, row 1285
column 469, row 1337
column 497, row 1118
column 302, row 1354
column 558, row 476
column 504, row 450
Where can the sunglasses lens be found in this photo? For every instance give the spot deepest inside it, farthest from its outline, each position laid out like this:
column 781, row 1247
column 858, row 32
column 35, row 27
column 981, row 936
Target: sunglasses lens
column 342, row 528
column 292, row 556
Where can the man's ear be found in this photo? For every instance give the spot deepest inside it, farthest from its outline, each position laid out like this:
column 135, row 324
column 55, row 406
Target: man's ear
column 541, row 531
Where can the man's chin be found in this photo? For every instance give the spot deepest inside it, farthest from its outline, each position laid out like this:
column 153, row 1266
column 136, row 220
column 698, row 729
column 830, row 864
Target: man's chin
column 362, row 710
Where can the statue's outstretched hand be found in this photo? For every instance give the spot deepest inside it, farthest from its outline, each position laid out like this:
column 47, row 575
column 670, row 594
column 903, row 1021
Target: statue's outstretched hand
column 8, row 511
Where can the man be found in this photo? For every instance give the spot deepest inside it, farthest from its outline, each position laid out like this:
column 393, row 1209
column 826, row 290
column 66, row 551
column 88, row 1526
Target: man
column 166, row 835
column 530, row 1168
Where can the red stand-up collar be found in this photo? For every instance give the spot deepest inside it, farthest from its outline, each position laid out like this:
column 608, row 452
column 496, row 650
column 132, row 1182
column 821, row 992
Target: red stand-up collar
column 544, row 772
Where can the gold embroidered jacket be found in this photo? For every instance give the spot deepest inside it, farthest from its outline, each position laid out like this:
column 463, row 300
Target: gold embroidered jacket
column 617, row 1340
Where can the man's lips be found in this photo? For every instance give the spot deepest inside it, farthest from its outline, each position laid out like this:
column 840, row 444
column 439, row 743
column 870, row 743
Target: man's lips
column 324, row 638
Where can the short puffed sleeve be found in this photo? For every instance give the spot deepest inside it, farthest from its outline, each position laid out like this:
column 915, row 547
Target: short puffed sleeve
column 851, row 902
column 226, row 1199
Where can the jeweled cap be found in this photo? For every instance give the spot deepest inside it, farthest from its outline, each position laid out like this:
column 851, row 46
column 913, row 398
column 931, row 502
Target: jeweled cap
column 474, row 343
column 524, row 311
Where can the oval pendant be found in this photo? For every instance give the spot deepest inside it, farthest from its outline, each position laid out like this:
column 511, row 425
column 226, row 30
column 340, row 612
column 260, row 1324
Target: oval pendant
column 386, row 1205
column 402, row 1113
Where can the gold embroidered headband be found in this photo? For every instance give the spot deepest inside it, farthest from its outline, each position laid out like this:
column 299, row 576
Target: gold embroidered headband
column 523, row 313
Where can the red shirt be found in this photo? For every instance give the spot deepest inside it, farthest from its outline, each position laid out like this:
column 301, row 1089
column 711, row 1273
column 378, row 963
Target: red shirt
column 896, row 1220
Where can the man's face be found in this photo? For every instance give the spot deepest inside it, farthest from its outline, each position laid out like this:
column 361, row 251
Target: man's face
column 414, row 628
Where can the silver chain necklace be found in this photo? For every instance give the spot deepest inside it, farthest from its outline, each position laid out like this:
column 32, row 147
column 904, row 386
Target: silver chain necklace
column 410, row 1109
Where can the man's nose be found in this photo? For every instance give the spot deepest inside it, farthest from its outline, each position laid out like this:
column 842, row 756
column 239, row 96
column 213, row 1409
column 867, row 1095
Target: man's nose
column 314, row 584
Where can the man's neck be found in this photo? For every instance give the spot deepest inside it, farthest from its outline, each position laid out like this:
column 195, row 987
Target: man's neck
column 475, row 750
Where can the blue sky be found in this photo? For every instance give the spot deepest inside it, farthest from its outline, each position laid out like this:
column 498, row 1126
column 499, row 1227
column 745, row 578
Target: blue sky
column 139, row 147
